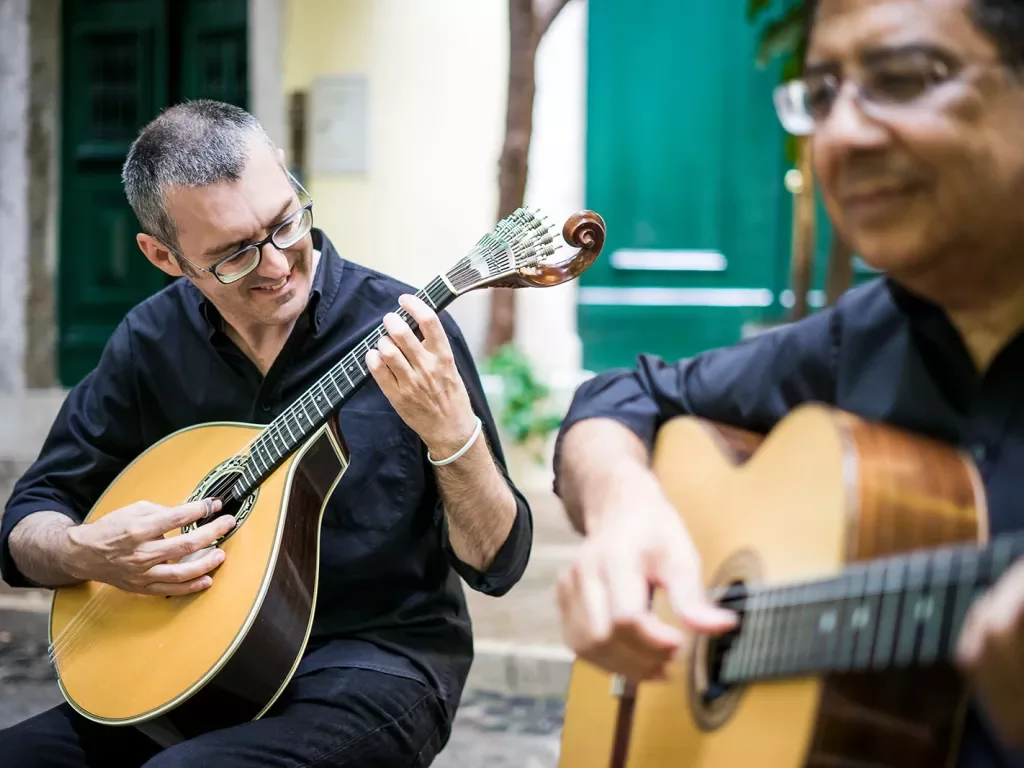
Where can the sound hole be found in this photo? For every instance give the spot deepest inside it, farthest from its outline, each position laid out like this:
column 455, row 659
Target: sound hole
column 229, row 506
column 218, row 485
column 717, row 648
column 712, row 700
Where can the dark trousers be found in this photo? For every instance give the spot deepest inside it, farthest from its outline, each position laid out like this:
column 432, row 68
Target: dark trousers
column 326, row 717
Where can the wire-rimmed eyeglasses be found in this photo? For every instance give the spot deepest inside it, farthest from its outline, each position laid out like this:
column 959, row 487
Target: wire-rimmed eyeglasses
column 894, row 84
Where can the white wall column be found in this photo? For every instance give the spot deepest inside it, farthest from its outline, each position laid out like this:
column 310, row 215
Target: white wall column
column 546, row 318
column 266, row 81
column 14, row 85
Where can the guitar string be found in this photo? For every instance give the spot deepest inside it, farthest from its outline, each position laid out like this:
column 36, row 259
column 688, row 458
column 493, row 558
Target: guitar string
column 310, row 399
column 456, row 275
column 1000, row 550
column 93, row 608
column 291, row 418
column 516, row 233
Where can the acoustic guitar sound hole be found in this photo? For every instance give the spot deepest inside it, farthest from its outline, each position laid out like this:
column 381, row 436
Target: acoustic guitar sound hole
column 229, row 506
column 712, row 701
column 717, row 648
column 218, row 485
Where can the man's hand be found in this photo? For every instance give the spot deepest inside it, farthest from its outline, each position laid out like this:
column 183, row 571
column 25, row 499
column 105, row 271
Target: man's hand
column 421, row 380
column 604, row 595
column 991, row 653
column 127, row 548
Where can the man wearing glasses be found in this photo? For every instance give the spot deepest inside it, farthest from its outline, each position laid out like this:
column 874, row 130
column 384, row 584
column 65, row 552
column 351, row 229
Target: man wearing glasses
column 915, row 116
column 265, row 307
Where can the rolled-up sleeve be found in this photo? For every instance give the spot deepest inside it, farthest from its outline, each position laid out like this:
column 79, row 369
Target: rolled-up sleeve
column 750, row 385
column 95, row 435
column 513, row 556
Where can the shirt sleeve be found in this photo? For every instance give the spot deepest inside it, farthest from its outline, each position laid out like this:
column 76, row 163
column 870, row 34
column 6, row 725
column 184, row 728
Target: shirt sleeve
column 510, row 562
column 750, row 385
column 95, row 435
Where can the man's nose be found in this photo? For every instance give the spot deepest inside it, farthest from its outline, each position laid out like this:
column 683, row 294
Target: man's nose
column 847, row 126
column 274, row 264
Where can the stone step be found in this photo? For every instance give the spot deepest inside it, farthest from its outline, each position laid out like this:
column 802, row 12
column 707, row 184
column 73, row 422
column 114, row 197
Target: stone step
column 25, row 420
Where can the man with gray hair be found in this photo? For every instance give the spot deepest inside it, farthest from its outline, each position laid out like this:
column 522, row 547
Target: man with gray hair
column 264, row 306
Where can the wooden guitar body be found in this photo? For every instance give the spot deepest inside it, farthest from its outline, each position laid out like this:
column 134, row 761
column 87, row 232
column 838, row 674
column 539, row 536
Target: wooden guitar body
column 176, row 667
column 833, row 669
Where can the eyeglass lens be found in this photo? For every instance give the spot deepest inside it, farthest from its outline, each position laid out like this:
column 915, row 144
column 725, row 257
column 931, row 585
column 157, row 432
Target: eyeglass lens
column 289, row 233
column 892, row 81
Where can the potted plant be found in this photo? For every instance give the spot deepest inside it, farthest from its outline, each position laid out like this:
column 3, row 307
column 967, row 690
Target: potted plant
column 526, row 420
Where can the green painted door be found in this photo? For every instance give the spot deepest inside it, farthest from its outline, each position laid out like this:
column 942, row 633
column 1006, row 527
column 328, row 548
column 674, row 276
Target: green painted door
column 685, row 162
column 125, row 60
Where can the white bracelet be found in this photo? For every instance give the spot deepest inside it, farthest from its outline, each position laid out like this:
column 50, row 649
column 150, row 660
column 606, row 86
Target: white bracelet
column 459, row 453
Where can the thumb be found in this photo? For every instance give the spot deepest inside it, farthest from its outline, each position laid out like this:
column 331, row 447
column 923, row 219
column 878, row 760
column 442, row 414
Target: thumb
column 689, row 600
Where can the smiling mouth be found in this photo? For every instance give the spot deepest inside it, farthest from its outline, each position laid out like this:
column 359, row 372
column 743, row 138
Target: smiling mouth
column 879, row 195
column 272, row 287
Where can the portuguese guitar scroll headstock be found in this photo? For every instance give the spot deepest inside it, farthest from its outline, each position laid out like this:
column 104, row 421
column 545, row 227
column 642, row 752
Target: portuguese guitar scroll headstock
column 516, row 254
column 585, row 231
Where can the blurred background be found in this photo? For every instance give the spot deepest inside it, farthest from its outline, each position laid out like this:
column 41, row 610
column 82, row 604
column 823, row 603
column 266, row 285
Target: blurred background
column 415, row 125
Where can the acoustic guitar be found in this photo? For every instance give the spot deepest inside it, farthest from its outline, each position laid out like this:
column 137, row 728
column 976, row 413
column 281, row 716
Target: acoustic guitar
column 181, row 666
column 851, row 552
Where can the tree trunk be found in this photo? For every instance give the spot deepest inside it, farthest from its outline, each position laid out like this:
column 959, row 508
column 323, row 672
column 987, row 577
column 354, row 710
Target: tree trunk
column 527, row 25
column 840, row 269
column 512, row 167
column 802, row 265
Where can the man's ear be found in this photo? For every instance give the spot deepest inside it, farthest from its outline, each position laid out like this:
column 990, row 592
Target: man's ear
column 158, row 255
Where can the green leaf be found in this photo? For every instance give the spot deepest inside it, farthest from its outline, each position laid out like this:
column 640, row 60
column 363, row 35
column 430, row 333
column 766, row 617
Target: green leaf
column 755, row 7
column 522, row 396
column 782, row 36
column 792, row 149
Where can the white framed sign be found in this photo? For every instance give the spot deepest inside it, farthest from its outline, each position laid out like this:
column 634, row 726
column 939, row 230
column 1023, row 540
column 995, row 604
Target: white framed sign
column 338, row 125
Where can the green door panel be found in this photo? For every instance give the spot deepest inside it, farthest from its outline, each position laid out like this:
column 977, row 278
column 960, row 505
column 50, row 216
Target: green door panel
column 214, row 37
column 114, row 76
column 125, row 61
column 685, row 162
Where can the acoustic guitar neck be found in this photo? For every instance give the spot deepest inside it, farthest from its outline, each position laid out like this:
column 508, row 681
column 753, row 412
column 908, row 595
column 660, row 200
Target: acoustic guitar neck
column 898, row 611
column 520, row 241
column 300, row 420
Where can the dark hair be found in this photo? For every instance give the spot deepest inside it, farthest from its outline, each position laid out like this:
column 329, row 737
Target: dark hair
column 189, row 145
column 1001, row 20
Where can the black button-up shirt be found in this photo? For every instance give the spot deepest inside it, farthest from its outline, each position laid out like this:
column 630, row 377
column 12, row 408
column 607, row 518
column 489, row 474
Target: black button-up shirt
column 389, row 595
column 882, row 354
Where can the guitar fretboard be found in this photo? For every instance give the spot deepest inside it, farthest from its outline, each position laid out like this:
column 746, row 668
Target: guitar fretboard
column 312, row 410
column 894, row 612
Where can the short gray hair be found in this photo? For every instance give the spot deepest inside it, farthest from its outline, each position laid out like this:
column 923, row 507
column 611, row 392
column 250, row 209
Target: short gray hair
column 192, row 144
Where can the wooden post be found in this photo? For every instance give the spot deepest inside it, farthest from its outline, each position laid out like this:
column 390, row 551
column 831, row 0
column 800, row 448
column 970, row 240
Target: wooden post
column 840, row 269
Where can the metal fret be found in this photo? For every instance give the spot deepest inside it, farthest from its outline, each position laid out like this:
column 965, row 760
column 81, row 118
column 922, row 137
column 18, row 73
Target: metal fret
column 290, row 433
column 341, row 395
column 849, row 626
column 348, row 377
